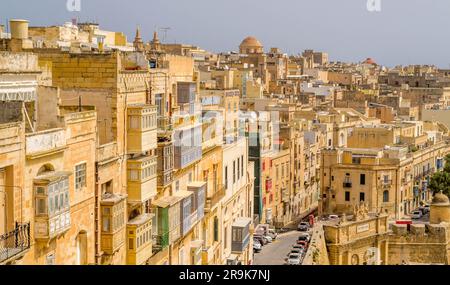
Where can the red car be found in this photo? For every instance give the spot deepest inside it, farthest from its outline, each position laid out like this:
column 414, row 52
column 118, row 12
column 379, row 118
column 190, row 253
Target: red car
column 303, row 243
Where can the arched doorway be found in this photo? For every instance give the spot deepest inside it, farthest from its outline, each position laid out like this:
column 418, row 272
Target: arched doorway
column 81, row 247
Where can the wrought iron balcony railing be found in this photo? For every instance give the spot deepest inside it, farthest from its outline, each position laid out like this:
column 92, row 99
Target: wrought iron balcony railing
column 215, row 198
column 15, row 242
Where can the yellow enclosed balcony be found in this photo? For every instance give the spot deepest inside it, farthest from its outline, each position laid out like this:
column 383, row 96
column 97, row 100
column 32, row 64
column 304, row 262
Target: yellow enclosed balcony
column 51, row 192
column 142, row 128
column 113, row 211
column 139, row 239
column 142, row 178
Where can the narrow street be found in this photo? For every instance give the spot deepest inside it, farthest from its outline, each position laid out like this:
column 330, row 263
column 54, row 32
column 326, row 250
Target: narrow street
column 276, row 252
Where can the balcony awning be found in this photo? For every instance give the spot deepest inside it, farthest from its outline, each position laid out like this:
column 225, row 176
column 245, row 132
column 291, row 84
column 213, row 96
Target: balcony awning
column 196, row 184
column 141, row 219
column 183, row 194
column 242, row 222
column 196, row 244
column 110, row 198
column 167, row 201
column 51, row 176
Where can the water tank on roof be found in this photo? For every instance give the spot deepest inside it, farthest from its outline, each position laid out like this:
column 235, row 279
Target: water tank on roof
column 19, row 29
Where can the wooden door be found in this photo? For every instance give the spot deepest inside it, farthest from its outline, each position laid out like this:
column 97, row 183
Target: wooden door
column 2, row 202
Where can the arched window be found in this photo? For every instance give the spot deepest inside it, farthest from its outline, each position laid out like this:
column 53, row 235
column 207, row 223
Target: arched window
column 386, row 196
column 341, row 139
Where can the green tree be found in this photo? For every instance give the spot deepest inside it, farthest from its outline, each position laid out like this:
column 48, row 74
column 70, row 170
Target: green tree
column 447, row 164
column 440, row 181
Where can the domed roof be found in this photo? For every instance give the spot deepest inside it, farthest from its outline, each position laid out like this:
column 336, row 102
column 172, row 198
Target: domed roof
column 369, row 61
column 440, row 198
column 251, row 42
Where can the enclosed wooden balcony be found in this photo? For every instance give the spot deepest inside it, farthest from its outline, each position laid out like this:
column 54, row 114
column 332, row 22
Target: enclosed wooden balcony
column 52, row 216
column 113, row 213
column 165, row 162
column 139, row 239
column 141, row 128
column 199, row 190
column 168, row 220
column 142, row 178
column 240, row 235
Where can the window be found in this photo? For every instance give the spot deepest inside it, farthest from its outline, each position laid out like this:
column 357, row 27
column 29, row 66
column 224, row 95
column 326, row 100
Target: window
column 362, row 179
column 133, row 175
column 386, row 196
column 80, row 176
column 242, row 166
column 41, row 208
column 347, row 196
column 362, row 196
column 50, row 259
column 226, row 177
column 216, row 229
column 226, row 238
column 234, row 172
column 106, row 219
column 134, row 122
column 238, row 167
column 130, row 244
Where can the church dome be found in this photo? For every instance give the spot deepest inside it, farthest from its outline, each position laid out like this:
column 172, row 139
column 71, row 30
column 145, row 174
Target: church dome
column 251, row 42
column 440, row 198
column 370, row 61
column 251, row 45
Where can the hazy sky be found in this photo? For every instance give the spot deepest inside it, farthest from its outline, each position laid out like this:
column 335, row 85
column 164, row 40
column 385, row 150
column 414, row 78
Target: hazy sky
column 403, row 32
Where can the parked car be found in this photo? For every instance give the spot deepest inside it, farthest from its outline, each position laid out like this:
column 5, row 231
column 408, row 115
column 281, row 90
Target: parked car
column 293, row 259
column 305, row 236
column 273, row 234
column 296, row 251
column 416, row 214
column 298, row 246
column 333, row 217
column 268, row 239
column 303, row 243
column 427, row 208
column 257, row 247
column 303, row 227
column 261, row 239
column 422, row 210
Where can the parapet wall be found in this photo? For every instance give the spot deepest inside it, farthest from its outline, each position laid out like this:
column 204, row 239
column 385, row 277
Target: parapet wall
column 424, row 244
column 317, row 253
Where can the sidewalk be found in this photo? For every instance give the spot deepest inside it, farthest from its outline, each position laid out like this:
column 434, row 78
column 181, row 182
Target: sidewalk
column 293, row 224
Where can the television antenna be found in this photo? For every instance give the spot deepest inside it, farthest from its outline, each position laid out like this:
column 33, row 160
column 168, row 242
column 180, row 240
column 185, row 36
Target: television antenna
column 165, row 30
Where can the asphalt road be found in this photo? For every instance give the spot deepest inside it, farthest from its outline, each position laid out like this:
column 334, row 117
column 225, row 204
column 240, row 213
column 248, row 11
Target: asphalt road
column 276, row 252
